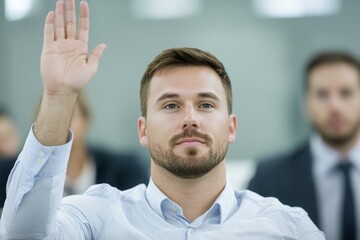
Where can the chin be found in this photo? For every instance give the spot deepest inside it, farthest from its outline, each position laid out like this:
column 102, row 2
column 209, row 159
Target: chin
column 338, row 138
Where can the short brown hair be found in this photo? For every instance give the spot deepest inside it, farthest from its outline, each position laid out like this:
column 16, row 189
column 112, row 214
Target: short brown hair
column 329, row 57
column 183, row 57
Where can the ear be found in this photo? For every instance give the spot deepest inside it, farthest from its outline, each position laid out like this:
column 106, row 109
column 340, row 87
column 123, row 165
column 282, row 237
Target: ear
column 142, row 132
column 232, row 128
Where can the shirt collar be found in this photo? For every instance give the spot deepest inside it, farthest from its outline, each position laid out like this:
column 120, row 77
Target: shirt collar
column 155, row 197
column 327, row 158
column 354, row 155
column 226, row 203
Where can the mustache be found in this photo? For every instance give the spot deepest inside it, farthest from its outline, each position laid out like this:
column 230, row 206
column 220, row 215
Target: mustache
column 191, row 133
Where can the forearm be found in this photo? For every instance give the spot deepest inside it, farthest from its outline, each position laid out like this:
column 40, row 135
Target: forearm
column 34, row 191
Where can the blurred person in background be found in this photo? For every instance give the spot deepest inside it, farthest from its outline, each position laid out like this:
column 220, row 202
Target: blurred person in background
column 9, row 136
column 90, row 165
column 322, row 175
column 9, row 149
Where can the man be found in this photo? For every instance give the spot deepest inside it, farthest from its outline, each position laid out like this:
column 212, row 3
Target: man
column 321, row 176
column 187, row 125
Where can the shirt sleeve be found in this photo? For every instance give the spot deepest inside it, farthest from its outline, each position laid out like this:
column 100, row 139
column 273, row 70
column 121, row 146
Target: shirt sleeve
column 34, row 190
column 308, row 230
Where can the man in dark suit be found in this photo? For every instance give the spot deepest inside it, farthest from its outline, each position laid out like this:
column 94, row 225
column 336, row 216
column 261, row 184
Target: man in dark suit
column 322, row 175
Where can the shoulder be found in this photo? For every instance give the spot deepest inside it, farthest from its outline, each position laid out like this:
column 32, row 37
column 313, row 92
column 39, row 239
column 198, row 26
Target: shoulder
column 268, row 205
column 268, row 210
column 109, row 193
column 285, row 159
column 103, row 196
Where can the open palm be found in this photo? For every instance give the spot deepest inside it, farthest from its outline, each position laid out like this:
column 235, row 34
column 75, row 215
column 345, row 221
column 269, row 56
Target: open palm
column 65, row 63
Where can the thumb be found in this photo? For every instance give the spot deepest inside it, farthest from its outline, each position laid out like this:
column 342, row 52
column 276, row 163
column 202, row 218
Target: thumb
column 95, row 57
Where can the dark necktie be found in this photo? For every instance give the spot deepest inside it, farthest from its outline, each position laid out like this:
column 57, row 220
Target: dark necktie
column 348, row 213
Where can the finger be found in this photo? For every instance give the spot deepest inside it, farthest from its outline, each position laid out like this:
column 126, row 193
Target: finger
column 84, row 22
column 95, row 57
column 49, row 35
column 70, row 19
column 59, row 20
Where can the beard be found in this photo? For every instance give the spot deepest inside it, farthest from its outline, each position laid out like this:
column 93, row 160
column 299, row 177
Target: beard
column 338, row 140
column 191, row 166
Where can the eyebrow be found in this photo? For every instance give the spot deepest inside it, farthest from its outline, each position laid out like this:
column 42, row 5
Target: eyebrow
column 209, row 95
column 167, row 96
column 175, row 95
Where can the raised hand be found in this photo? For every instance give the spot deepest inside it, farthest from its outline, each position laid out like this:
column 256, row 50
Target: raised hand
column 65, row 63
column 66, row 68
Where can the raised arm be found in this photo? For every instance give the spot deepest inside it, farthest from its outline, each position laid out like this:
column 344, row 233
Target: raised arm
column 35, row 185
column 66, row 68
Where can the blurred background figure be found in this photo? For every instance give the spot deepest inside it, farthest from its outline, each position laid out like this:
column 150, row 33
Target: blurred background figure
column 9, row 149
column 92, row 165
column 322, row 175
column 9, row 137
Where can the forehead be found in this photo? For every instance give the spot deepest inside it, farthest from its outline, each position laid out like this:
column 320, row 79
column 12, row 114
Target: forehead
column 185, row 81
column 334, row 75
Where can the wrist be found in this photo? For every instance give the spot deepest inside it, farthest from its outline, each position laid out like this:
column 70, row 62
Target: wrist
column 54, row 117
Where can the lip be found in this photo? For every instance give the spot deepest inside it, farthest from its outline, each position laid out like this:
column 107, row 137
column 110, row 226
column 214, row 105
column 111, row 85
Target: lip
column 336, row 123
column 190, row 141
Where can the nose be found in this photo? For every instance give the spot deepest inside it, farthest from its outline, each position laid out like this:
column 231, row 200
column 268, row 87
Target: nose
column 190, row 121
column 335, row 103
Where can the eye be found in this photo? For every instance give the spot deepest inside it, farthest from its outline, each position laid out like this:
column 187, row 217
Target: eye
column 171, row 106
column 346, row 93
column 206, row 106
column 322, row 94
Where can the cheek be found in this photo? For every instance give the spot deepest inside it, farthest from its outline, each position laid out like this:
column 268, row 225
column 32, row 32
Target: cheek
column 159, row 131
column 317, row 110
column 217, row 129
column 353, row 105
column 354, row 112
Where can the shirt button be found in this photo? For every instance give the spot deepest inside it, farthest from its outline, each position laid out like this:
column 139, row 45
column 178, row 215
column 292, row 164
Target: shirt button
column 39, row 160
column 42, row 154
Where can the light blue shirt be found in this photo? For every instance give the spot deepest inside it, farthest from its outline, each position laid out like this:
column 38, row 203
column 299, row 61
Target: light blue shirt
column 329, row 183
column 34, row 209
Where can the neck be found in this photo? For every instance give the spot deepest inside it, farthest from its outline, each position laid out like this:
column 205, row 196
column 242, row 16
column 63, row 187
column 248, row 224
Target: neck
column 79, row 157
column 194, row 196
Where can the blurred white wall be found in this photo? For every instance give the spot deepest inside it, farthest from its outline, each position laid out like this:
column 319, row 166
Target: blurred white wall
column 263, row 57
